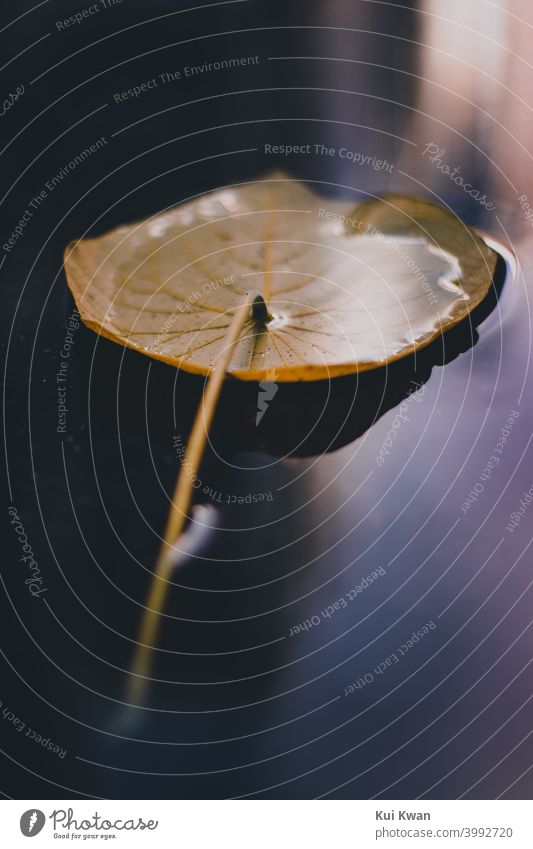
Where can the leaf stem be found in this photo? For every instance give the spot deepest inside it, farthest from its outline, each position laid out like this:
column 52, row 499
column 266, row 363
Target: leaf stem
column 180, row 505
column 267, row 246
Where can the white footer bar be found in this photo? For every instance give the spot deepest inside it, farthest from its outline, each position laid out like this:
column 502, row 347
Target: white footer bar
column 264, row 824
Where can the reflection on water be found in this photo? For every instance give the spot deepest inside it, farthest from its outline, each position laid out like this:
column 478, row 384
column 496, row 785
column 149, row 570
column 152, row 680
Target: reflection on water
column 314, row 418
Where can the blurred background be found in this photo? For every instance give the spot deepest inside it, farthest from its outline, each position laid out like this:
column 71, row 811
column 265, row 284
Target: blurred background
column 242, row 703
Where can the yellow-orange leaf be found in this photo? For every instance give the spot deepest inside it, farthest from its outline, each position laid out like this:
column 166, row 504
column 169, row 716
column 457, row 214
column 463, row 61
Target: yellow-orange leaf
column 347, row 289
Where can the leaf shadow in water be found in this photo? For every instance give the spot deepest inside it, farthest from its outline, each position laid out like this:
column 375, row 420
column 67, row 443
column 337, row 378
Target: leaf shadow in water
column 305, row 419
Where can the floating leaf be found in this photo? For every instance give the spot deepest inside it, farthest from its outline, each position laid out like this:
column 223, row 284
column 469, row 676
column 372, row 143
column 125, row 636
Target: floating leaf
column 267, row 282
column 346, row 289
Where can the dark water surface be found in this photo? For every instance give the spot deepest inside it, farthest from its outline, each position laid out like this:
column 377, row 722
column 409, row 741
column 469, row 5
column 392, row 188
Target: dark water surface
column 408, row 520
